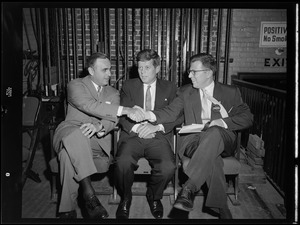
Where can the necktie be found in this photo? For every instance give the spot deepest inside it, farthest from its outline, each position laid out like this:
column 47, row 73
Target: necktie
column 148, row 99
column 99, row 91
column 213, row 100
column 205, row 109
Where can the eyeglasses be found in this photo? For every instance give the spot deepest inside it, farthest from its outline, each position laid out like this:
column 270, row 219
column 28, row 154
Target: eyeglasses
column 194, row 71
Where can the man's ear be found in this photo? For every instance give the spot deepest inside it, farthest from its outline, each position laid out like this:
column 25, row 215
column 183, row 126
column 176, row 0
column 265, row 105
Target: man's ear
column 157, row 69
column 91, row 71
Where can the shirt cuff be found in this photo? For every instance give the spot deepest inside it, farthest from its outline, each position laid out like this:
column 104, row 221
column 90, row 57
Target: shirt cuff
column 161, row 128
column 120, row 109
column 225, row 125
column 152, row 116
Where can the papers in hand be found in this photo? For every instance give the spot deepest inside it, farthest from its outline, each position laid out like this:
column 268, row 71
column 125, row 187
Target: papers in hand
column 193, row 128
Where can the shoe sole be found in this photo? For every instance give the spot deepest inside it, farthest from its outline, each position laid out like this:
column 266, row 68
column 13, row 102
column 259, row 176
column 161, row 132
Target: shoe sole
column 180, row 206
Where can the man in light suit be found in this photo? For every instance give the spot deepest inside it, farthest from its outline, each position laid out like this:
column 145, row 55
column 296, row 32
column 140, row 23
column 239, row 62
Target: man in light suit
column 154, row 145
column 83, row 140
column 225, row 112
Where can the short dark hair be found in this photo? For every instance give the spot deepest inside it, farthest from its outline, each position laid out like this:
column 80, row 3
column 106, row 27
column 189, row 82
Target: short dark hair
column 207, row 60
column 98, row 55
column 148, row 54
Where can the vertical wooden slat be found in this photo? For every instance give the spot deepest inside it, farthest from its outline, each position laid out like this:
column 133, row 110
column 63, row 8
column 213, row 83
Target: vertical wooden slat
column 74, row 40
column 125, row 28
column 83, row 37
column 218, row 44
column 107, row 32
column 143, row 28
column 58, row 59
column 133, row 33
column 39, row 45
column 183, row 46
column 92, row 32
column 227, row 45
column 173, row 51
column 48, row 81
column 61, row 43
column 168, row 49
column 118, row 38
column 187, row 35
column 67, row 50
column 159, row 38
column 209, row 31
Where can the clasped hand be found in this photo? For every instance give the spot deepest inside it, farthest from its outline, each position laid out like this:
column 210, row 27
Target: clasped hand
column 89, row 129
column 138, row 114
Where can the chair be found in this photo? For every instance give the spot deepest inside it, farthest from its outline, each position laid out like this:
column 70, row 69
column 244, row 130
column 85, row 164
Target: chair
column 143, row 169
column 231, row 169
column 30, row 136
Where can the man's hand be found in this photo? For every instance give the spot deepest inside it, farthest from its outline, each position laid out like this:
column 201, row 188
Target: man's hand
column 136, row 113
column 88, row 129
column 147, row 130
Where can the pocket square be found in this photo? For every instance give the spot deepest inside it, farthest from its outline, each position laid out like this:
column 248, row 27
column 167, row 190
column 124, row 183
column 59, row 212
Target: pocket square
column 108, row 102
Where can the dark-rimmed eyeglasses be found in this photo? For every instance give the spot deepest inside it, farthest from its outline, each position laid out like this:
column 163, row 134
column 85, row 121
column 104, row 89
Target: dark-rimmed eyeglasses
column 194, row 71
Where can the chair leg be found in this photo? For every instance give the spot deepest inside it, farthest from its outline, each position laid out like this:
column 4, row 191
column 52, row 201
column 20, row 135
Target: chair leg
column 114, row 197
column 235, row 200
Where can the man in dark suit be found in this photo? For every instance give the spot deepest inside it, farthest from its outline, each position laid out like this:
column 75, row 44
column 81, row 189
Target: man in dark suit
column 154, row 145
column 223, row 113
column 83, row 140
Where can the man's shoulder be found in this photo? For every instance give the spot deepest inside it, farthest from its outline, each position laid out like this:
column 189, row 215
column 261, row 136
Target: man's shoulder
column 111, row 89
column 167, row 83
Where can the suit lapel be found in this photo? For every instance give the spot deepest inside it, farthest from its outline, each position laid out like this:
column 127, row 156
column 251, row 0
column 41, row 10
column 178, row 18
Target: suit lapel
column 215, row 112
column 195, row 104
column 88, row 82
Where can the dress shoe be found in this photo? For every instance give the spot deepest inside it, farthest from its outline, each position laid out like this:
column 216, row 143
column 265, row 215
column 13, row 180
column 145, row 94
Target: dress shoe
column 156, row 208
column 185, row 200
column 225, row 213
column 94, row 208
column 68, row 215
column 123, row 209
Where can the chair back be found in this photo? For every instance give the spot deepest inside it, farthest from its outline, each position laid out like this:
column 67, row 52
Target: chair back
column 30, row 110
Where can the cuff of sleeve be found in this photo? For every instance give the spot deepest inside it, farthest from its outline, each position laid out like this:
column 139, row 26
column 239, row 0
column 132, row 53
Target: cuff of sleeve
column 120, row 109
column 225, row 125
column 161, row 128
column 152, row 116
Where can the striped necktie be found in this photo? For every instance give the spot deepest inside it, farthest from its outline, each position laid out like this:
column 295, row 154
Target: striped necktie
column 205, row 110
column 148, row 99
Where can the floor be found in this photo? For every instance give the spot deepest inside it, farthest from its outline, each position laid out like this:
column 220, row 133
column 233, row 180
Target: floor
column 258, row 200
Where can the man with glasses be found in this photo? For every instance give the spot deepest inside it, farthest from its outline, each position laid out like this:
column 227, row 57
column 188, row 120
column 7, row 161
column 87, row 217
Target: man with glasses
column 221, row 108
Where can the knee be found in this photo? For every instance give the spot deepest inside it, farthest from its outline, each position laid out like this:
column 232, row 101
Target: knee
column 168, row 168
column 214, row 132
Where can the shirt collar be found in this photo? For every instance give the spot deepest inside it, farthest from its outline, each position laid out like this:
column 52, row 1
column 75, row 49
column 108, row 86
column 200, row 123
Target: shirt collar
column 97, row 86
column 153, row 84
column 210, row 88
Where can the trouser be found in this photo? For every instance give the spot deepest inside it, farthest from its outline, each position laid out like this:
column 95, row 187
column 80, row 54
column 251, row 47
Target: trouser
column 206, row 164
column 76, row 162
column 160, row 156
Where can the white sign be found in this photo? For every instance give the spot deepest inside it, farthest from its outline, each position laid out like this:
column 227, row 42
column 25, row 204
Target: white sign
column 273, row 34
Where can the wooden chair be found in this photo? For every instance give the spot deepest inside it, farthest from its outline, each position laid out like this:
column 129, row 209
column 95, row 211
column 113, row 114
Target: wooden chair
column 232, row 167
column 30, row 136
column 143, row 169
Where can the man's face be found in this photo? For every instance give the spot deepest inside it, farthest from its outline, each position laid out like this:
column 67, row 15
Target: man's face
column 101, row 71
column 147, row 71
column 200, row 75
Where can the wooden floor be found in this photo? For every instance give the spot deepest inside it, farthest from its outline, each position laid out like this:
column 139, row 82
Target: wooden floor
column 257, row 197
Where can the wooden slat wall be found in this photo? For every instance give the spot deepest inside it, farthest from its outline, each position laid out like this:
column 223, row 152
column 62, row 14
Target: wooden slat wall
column 175, row 34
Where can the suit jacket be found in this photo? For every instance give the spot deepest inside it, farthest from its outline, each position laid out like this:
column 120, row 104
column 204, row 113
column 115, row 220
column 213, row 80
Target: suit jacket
column 132, row 94
column 189, row 102
column 84, row 106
